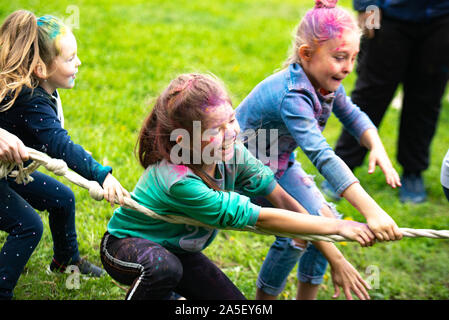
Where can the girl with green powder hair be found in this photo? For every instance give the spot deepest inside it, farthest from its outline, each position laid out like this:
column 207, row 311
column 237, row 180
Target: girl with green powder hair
column 36, row 45
column 38, row 56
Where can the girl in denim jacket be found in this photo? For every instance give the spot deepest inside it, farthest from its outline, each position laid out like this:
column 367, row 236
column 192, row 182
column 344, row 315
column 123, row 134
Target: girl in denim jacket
column 297, row 102
column 211, row 182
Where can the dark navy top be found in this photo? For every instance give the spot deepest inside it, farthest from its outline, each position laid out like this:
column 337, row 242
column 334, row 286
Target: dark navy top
column 34, row 119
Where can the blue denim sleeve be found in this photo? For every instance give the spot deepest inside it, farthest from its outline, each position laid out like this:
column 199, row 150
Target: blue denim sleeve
column 360, row 5
column 297, row 114
column 353, row 119
column 43, row 123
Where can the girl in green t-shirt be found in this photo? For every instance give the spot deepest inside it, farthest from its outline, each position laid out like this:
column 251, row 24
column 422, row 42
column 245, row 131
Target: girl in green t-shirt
column 195, row 167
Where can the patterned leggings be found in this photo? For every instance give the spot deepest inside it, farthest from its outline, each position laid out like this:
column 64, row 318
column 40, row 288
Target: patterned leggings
column 153, row 272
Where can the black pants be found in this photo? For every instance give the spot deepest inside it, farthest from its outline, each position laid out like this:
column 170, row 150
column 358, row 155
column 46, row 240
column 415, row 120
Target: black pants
column 154, row 272
column 416, row 55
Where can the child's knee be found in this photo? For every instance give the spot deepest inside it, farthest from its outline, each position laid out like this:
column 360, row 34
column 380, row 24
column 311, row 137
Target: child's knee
column 329, row 210
column 64, row 199
column 67, row 197
column 31, row 229
column 300, row 243
column 36, row 232
column 162, row 267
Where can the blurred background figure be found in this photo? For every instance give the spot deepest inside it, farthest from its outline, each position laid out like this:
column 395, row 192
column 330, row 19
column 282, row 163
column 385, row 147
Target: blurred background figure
column 405, row 42
column 445, row 175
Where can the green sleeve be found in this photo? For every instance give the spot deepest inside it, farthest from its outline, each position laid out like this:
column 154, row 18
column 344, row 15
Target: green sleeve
column 253, row 178
column 220, row 209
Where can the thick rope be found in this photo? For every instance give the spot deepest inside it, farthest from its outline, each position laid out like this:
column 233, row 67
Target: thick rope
column 59, row 167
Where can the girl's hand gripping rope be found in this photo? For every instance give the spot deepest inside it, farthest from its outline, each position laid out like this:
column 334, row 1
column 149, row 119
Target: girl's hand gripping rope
column 357, row 231
column 113, row 189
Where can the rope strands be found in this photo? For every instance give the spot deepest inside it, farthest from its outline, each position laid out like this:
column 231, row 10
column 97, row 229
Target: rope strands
column 59, row 167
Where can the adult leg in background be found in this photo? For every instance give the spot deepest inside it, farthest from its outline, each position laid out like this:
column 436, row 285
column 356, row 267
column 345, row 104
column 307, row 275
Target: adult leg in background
column 424, row 87
column 381, row 66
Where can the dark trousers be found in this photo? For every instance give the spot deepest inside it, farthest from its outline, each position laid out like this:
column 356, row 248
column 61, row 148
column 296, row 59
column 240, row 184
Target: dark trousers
column 24, row 226
column 416, row 55
column 154, row 273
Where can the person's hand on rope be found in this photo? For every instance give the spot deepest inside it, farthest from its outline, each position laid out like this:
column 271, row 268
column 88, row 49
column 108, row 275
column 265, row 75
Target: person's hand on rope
column 113, row 189
column 12, row 148
column 357, row 231
column 344, row 275
column 380, row 223
column 384, row 227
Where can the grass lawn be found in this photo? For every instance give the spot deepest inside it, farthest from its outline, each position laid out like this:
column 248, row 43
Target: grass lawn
column 130, row 50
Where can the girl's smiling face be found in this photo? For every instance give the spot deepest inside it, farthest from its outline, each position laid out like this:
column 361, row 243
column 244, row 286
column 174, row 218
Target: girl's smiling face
column 327, row 65
column 219, row 138
column 64, row 67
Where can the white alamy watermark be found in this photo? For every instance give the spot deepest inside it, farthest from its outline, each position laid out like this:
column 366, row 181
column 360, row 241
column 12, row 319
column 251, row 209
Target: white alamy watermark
column 373, row 17
column 373, row 278
column 73, row 18
column 73, row 280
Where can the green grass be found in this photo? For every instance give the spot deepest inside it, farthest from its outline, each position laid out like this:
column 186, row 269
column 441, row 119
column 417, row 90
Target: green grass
column 130, row 52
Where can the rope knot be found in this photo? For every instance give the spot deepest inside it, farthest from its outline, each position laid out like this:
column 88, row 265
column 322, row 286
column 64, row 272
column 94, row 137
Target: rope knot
column 57, row 166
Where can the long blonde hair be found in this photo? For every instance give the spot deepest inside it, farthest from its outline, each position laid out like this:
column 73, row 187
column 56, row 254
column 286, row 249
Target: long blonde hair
column 25, row 42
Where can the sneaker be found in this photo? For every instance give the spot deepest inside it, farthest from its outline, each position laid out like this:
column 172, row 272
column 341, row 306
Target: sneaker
column 85, row 267
column 412, row 190
column 329, row 191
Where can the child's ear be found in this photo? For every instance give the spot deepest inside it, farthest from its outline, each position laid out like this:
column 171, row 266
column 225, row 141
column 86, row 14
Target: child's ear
column 40, row 71
column 305, row 52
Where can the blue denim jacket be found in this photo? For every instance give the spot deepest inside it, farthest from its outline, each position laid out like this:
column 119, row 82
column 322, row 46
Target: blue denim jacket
column 407, row 10
column 287, row 101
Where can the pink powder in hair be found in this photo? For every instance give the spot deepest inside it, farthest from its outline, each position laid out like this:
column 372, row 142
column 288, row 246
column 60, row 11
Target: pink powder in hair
column 214, row 101
column 325, row 3
column 326, row 22
column 183, row 86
